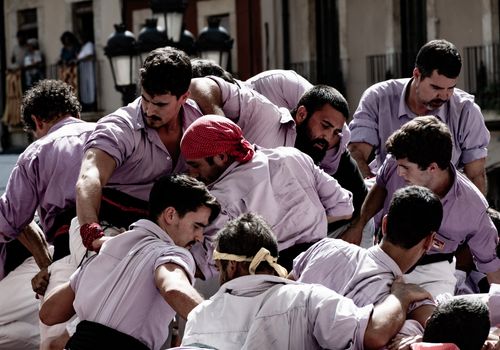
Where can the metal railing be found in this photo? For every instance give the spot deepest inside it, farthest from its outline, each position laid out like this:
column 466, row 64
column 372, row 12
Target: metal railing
column 482, row 74
column 72, row 74
column 383, row 67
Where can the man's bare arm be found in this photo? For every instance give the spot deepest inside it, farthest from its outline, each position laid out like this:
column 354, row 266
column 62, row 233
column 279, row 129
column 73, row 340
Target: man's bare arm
column 389, row 315
column 58, row 306
column 33, row 239
column 174, row 286
column 476, row 172
column 97, row 167
column 361, row 151
column 374, row 201
column 207, row 95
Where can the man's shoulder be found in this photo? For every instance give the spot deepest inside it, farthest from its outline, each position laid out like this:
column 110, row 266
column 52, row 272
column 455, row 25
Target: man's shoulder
column 462, row 100
column 392, row 86
column 465, row 191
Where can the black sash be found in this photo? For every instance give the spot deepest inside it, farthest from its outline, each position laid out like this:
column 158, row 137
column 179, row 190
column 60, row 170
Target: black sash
column 95, row 336
column 120, row 209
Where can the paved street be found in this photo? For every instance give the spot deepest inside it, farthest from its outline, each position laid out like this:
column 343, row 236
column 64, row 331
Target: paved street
column 7, row 162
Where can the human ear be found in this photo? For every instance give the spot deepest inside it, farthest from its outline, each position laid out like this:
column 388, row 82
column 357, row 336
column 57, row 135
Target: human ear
column 301, row 115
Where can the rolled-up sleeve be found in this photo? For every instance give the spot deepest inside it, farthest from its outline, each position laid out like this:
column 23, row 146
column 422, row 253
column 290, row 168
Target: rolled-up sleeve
column 364, row 125
column 483, row 243
column 473, row 136
column 338, row 322
column 18, row 203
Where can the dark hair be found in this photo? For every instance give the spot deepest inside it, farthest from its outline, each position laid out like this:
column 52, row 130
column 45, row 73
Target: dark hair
column 318, row 96
column 245, row 236
column 166, row 71
column 441, row 55
column 461, row 321
column 183, row 193
column 202, row 68
column 49, row 100
column 423, row 140
column 72, row 39
column 415, row 213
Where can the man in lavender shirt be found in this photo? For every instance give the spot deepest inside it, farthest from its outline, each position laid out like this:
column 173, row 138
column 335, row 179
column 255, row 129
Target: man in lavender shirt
column 296, row 197
column 386, row 106
column 42, row 181
column 421, row 155
column 135, row 145
column 127, row 295
column 365, row 275
column 315, row 124
column 258, row 309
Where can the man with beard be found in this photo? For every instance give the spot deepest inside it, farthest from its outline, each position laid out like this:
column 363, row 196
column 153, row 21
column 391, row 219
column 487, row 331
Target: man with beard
column 420, row 154
column 282, row 184
column 317, row 125
column 386, row 106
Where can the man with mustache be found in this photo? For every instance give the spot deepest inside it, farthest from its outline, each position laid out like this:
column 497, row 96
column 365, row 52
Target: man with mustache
column 127, row 295
column 420, row 154
column 386, row 106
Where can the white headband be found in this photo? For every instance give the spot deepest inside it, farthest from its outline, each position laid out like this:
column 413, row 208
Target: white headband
column 262, row 255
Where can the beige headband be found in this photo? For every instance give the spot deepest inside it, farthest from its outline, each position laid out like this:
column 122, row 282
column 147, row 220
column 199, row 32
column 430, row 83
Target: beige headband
column 262, row 255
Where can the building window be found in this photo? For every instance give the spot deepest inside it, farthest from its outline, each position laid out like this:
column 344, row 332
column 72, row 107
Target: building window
column 27, row 22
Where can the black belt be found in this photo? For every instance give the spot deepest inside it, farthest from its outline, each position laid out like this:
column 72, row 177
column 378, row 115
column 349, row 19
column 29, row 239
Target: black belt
column 432, row 258
column 95, row 336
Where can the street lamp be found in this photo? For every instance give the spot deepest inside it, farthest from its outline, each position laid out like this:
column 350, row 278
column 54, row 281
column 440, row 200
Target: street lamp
column 121, row 51
column 214, row 43
column 150, row 38
column 170, row 14
column 187, row 43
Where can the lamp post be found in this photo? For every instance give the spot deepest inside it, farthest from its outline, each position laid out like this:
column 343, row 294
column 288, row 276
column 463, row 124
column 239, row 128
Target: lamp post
column 187, row 43
column 214, row 43
column 150, row 38
column 170, row 14
column 121, row 52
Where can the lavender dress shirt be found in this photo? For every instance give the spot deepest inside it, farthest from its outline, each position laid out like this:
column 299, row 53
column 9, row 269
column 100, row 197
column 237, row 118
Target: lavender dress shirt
column 44, row 178
column 268, row 312
column 382, row 110
column 140, row 155
column 268, row 122
column 117, row 287
column 284, row 88
column 363, row 275
column 287, row 189
column 464, row 217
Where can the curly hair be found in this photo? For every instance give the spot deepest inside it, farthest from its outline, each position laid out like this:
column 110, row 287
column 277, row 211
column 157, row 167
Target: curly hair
column 49, row 100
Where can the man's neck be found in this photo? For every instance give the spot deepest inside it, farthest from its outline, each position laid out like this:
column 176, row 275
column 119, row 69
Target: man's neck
column 442, row 183
column 411, row 100
column 402, row 257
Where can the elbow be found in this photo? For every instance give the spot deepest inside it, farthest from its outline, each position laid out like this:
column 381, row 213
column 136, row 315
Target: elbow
column 47, row 317
column 375, row 341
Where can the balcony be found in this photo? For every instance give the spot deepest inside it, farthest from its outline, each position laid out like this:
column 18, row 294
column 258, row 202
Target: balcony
column 80, row 77
column 482, row 75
